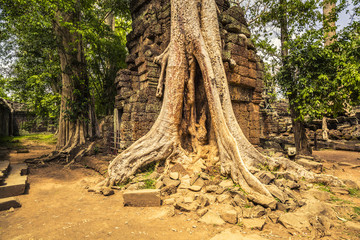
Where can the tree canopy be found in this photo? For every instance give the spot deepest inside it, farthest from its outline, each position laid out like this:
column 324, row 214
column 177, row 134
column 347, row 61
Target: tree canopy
column 30, row 59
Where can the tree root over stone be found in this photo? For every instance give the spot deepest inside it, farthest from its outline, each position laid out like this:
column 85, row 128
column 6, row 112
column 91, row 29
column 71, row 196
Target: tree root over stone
column 195, row 44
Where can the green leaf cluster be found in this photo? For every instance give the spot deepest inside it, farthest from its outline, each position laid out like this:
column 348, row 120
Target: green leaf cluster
column 29, row 50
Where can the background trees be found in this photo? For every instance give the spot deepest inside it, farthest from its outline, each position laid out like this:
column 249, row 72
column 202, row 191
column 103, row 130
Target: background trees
column 32, row 46
column 318, row 79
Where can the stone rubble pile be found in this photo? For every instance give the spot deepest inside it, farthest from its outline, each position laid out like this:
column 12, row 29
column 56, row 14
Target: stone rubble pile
column 296, row 204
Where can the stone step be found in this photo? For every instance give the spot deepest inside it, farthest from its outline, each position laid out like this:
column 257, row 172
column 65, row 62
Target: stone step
column 10, row 202
column 142, row 198
column 4, row 168
column 16, row 182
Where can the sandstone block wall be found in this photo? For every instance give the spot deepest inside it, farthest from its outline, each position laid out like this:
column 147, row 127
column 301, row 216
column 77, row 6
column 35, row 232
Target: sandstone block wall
column 137, row 107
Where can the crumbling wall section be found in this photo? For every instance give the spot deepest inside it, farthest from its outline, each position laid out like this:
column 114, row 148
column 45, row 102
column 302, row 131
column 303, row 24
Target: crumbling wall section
column 136, row 106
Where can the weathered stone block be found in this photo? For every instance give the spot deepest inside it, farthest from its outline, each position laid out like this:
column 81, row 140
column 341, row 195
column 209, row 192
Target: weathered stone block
column 7, row 203
column 142, row 198
column 256, row 223
column 311, row 165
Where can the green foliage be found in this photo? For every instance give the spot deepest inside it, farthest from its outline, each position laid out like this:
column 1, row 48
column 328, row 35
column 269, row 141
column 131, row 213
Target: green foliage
column 339, row 200
column 323, row 187
column 18, row 141
column 148, row 169
column 29, row 51
column 354, row 192
column 320, row 80
column 149, row 184
column 357, row 210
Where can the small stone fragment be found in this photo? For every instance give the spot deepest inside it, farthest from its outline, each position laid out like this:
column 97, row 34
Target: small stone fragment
column 220, row 190
column 229, row 215
column 195, row 188
column 170, row 182
column 168, row 190
column 266, row 177
column 255, row 223
column 174, row 175
column 223, row 197
column 185, row 182
column 353, row 226
column 239, row 199
column 187, row 207
column 263, row 200
column 255, row 212
column 188, row 199
column 107, row 191
column 159, row 185
column 211, row 188
column 201, row 212
column 212, row 218
column 169, row 201
column 226, row 184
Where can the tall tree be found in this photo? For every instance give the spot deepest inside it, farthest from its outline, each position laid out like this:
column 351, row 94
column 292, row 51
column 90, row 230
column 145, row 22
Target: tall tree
column 66, row 45
column 77, row 118
column 195, row 44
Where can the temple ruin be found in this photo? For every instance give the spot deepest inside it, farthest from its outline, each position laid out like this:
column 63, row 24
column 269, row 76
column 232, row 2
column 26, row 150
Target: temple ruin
column 136, row 104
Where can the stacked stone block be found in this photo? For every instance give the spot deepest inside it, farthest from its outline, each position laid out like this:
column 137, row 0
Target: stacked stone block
column 137, row 107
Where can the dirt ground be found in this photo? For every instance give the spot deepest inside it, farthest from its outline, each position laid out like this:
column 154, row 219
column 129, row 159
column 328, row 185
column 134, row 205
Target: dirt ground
column 58, row 206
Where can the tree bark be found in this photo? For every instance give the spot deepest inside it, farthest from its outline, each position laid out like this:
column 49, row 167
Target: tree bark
column 77, row 118
column 195, row 44
column 301, row 140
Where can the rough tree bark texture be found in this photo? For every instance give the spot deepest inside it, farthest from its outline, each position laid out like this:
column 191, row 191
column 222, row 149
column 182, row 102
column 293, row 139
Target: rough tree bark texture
column 77, row 118
column 195, row 49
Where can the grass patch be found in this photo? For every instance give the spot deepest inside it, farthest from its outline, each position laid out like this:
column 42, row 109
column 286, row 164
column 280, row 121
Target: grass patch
column 17, row 141
column 354, row 192
column 339, row 200
column 149, row 184
column 247, row 206
column 148, row 169
column 323, row 187
column 264, row 167
column 357, row 210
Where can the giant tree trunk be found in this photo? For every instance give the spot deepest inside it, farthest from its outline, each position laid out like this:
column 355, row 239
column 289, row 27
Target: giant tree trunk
column 77, row 118
column 195, row 44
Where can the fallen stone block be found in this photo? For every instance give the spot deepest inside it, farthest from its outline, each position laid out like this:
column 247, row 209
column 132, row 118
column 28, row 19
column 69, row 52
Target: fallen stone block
column 142, row 198
column 4, row 167
column 226, row 184
column 14, row 184
column 254, row 223
column 212, row 218
column 296, row 221
column 263, row 200
column 255, row 212
column 187, row 207
column 229, row 215
column 7, row 203
column 266, row 177
column 353, row 226
column 311, row 165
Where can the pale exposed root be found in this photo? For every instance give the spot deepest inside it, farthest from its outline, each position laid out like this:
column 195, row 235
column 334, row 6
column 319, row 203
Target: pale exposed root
column 299, row 172
column 162, row 59
column 228, row 147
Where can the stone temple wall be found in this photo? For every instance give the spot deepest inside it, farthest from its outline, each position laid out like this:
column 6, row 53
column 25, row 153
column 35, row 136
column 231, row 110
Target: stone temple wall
column 136, row 106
